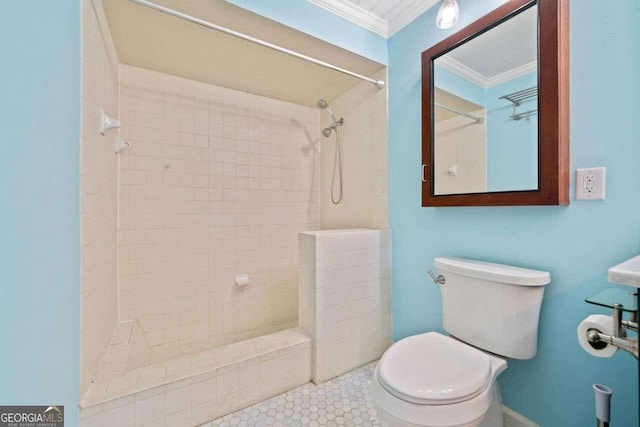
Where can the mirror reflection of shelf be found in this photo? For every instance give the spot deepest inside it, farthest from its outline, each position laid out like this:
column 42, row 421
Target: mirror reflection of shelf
column 517, row 98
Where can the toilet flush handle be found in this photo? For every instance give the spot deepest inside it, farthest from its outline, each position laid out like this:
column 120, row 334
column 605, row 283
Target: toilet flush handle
column 439, row 279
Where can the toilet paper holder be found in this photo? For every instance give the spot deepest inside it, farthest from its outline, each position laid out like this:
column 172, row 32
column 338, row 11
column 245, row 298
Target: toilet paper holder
column 620, row 302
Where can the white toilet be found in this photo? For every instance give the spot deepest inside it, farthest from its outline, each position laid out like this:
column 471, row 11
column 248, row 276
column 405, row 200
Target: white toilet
column 491, row 312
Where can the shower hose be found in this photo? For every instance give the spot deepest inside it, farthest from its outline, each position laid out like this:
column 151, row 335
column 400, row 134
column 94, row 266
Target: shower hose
column 337, row 166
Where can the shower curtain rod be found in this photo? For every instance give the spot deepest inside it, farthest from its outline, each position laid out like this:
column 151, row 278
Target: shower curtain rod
column 379, row 83
column 460, row 113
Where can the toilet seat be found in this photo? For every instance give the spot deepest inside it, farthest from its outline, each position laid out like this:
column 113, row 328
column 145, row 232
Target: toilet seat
column 432, row 369
column 404, row 384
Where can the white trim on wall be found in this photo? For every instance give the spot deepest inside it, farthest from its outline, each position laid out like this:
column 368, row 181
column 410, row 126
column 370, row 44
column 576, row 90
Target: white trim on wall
column 409, row 14
column 513, row 73
column 462, row 71
column 514, row 419
column 355, row 14
column 359, row 16
column 478, row 79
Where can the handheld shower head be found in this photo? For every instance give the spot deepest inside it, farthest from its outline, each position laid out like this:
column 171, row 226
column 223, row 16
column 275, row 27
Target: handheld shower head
column 325, row 106
column 337, row 162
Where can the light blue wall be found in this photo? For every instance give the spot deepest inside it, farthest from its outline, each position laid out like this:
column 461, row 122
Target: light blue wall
column 576, row 243
column 39, row 189
column 318, row 22
column 512, row 145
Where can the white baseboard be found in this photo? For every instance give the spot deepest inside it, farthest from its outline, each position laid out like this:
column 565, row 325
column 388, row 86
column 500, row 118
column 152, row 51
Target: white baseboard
column 514, row 419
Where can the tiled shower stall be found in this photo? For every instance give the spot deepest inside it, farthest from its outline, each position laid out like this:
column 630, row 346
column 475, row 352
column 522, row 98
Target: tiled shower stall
column 216, row 183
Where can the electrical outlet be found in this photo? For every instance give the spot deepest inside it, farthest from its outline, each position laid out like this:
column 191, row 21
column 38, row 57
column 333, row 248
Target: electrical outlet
column 590, row 184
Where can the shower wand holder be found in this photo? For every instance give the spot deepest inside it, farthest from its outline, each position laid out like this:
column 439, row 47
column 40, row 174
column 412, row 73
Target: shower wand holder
column 337, row 123
column 334, row 126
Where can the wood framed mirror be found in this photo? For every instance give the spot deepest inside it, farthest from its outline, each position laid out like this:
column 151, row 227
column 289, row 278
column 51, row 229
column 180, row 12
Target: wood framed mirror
column 495, row 110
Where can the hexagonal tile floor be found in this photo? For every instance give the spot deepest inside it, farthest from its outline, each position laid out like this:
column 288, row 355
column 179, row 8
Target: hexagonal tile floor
column 343, row 401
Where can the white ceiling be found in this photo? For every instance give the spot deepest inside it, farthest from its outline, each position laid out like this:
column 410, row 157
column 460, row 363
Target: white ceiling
column 384, row 17
column 502, row 53
column 149, row 39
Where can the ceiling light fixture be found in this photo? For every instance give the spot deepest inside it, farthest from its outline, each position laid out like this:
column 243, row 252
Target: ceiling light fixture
column 447, row 14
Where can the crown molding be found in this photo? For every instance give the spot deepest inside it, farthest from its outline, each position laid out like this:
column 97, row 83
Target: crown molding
column 355, row 14
column 481, row 80
column 463, row 71
column 513, row 74
column 408, row 15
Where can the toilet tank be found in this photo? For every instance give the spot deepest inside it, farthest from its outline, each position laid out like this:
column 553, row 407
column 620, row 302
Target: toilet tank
column 492, row 306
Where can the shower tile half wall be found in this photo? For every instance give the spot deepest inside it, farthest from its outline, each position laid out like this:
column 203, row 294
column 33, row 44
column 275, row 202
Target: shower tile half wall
column 345, row 297
column 216, row 183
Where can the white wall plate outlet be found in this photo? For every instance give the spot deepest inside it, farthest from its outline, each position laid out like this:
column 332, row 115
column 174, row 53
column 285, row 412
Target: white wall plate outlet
column 590, row 183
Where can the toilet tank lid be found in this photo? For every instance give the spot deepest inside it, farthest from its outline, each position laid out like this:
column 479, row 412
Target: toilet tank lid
column 493, row 272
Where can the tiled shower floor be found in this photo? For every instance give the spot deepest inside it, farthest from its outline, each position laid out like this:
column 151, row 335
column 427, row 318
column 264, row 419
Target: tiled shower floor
column 344, row 400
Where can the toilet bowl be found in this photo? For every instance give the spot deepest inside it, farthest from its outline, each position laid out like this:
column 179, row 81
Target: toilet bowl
column 491, row 312
column 434, row 380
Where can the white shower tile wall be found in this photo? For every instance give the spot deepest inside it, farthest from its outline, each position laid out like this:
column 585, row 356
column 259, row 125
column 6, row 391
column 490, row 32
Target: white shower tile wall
column 99, row 171
column 345, row 297
column 193, row 389
column 128, row 350
column 457, row 143
column 216, row 183
column 363, row 141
